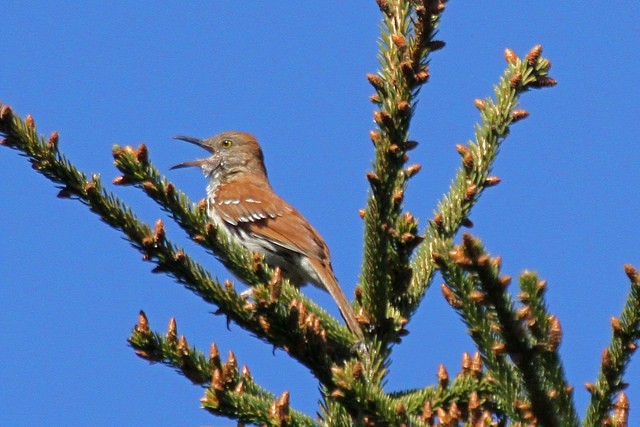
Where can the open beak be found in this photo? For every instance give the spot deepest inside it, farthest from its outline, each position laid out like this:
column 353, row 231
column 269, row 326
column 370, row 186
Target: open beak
column 191, row 163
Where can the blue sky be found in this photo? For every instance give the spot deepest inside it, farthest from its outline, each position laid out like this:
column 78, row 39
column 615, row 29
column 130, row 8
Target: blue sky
column 293, row 73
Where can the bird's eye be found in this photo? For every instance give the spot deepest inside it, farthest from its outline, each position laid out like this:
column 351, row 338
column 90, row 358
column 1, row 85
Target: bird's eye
column 227, row 143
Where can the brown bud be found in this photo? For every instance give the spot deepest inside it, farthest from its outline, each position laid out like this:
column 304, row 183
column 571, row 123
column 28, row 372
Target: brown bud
column 510, row 56
column 5, row 112
column 462, row 149
column 264, row 324
column 53, row 141
column 399, row 41
column 466, row 362
column 518, row 115
column 621, row 410
column 450, row 296
column 505, row 281
column 515, row 80
column 443, row 416
column 555, row 333
column 158, row 232
column 454, row 412
column 232, row 362
column 383, row 119
column 523, row 312
column 443, row 376
column 476, row 363
column 491, row 181
column 376, row 81
column 398, row 195
column 217, row 380
column 605, row 359
column 384, row 6
column 474, row 401
column 632, row 273
column 183, row 346
column 466, row 222
column 427, row 411
column 407, row 70
column 239, row 389
column 29, row 121
column 438, row 259
column 214, row 356
column 282, row 408
column 534, row 54
column 616, row 326
column 142, row 154
column 120, row 180
column 422, row 76
column 544, row 82
column 412, row 170
column 172, row 330
column 590, row 387
column 483, row 260
column 476, row 296
column 275, row 285
column 170, row 190
column 438, row 220
column 470, row 192
column 246, row 373
column 400, row 409
column 148, row 187
column 468, row 162
column 143, row 324
column 375, row 136
column 480, row 104
column 373, row 179
column 404, row 107
column 460, row 258
column 498, row 349
column 90, row 187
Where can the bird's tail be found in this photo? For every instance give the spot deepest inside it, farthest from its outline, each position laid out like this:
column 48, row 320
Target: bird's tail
column 331, row 285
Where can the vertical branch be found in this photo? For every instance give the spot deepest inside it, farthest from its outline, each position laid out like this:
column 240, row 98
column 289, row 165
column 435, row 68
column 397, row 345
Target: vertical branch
column 390, row 237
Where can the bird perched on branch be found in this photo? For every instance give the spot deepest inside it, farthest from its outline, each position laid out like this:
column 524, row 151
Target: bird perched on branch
column 240, row 200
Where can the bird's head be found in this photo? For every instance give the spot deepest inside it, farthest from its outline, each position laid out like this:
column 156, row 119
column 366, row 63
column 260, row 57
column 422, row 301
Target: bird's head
column 232, row 154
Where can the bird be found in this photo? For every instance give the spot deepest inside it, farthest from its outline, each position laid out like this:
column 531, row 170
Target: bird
column 240, row 200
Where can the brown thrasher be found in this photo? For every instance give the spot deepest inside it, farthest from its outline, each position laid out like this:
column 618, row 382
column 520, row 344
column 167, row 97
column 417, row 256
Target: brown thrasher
column 241, row 201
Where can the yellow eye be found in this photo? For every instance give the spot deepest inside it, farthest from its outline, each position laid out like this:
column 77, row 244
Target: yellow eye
column 227, row 143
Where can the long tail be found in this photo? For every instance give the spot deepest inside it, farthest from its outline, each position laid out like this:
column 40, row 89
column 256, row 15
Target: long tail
column 331, row 285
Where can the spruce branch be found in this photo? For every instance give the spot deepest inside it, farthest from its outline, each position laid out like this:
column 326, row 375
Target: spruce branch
column 471, row 391
column 474, row 175
column 408, row 29
column 615, row 358
column 293, row 327
column 536, row 359
column 231, row 393
column 461, row 293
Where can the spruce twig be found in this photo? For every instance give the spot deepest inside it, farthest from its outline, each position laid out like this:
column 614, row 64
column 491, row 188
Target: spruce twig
column 616, row 357
column 542, row 376
column 232, row 392
column 474, row 175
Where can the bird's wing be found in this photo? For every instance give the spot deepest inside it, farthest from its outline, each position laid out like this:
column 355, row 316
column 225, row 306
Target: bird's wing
column 263, row 213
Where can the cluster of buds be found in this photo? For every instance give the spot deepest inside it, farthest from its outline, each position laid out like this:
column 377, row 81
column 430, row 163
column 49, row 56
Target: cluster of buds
column 313, row 333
